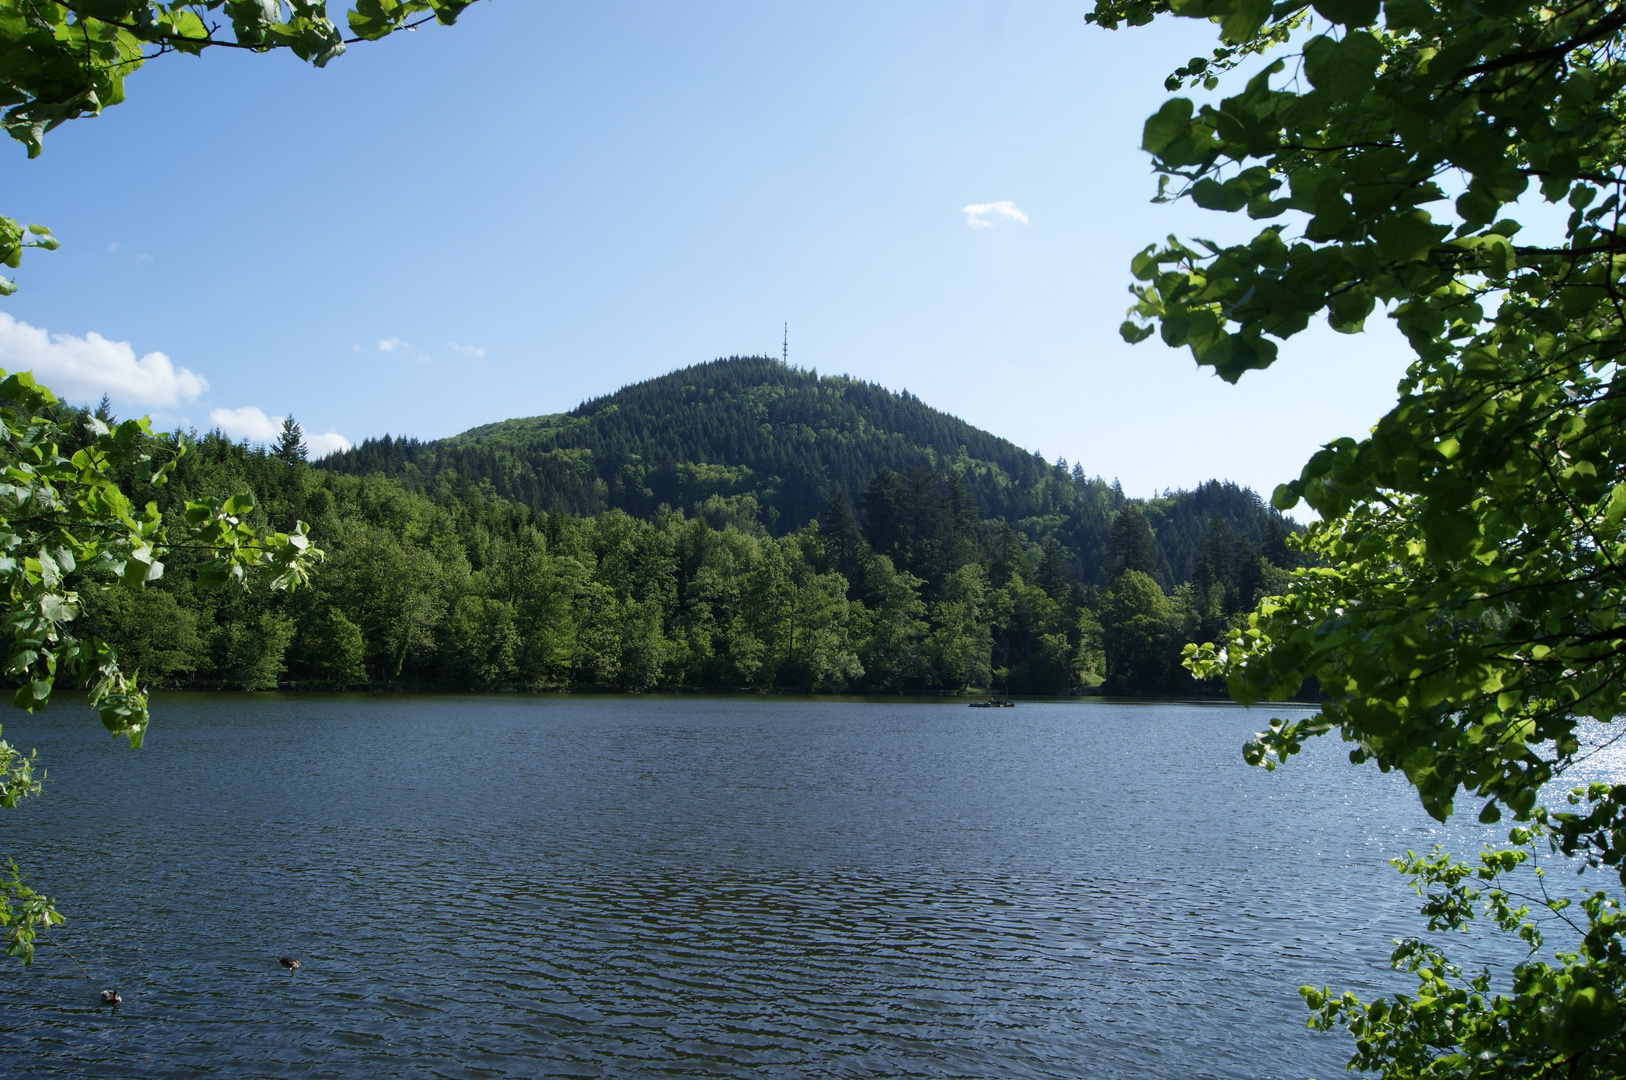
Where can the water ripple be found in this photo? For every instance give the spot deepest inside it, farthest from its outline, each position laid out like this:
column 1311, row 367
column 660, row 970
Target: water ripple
column 698, row 888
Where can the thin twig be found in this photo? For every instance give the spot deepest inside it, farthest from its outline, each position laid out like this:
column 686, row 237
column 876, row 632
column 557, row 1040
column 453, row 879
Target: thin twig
column 69, row 955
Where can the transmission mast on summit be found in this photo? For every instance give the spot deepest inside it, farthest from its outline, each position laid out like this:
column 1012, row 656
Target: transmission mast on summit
column 784, row 350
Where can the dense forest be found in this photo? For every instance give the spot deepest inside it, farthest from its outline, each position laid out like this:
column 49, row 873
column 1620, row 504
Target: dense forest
column 753, row 442
column 436, row 577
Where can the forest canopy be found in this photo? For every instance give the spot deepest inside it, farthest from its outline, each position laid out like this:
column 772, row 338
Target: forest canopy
column 912, row 584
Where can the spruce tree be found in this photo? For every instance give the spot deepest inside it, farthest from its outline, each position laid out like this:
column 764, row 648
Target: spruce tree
column 1053, row 577
column 290, row 445
column 885, row 524
column 842, row 543
column 1131, row 546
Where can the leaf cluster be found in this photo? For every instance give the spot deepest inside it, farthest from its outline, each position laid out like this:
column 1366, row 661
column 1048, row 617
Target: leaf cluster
column 1466, row 609
column 64, row 516
column 23, row 914
column 61, row 61
column 1560, row 1019
column 1463, row 608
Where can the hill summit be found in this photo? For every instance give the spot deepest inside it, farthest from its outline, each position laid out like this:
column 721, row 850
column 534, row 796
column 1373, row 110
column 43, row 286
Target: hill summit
column 753, row 442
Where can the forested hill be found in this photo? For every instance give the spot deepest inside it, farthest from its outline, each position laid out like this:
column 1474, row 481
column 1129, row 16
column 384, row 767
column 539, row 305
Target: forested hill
column 752, row 442
column 722, row 431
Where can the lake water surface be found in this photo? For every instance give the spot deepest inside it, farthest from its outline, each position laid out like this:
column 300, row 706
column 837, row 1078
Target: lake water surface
column 697, row 887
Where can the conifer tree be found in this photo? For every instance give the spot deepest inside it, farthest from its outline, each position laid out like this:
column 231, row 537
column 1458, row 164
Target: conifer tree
column 1053, row 578
column 290, row 445
column 843, row 544
column 884, row 519
column 1131, row 546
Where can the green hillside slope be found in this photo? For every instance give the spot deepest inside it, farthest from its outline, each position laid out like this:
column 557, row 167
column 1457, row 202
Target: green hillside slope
column 750, row 441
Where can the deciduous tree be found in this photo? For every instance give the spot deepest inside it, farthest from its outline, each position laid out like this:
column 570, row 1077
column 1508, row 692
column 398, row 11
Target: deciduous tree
column 1466, row 618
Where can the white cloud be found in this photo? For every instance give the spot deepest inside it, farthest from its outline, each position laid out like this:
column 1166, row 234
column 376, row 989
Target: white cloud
column 473, row 352
column 985, row 215
column 392, row 344
column 323, row 445
column 251, row 423
column 113, row 246
column 83, row 369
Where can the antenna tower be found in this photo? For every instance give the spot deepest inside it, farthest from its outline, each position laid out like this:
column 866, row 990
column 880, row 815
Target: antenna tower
column 784, row 350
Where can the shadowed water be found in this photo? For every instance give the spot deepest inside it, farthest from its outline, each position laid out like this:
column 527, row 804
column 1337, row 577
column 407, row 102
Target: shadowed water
column 596, row 887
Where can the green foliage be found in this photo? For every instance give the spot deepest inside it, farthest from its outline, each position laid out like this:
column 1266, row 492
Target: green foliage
column 961, row 644
column 752, row 443
column 157, row 636
column 1131, row 547
column 17, row 779
column 460, row 590
column 1135, row 623
column 74, row 549
column 481, row 643
column 333, row 650
column 1560, row 1020
column 1463, row 610
column 256, row 651
column 23, row 914
column 66, row 526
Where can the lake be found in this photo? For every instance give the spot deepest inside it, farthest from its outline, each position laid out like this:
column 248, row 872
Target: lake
column 698, row 887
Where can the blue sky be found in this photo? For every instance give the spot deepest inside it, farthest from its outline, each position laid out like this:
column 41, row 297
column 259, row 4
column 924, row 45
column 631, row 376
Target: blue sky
column 550, row 200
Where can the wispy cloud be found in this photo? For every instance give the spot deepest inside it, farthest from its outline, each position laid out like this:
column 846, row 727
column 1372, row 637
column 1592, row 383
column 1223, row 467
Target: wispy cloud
column 251, row 423
column 986, row 215
column 86, row 368
column 398, row 347
column 473, row 352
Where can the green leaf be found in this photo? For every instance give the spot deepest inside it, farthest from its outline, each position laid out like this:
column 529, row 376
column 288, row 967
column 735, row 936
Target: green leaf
column 1401, row 15
column 1408, row 237
column 1134, row 333
column 1169, row 123
column 1345, row 69
column 1243, row 20
column 1211, row 195
column 1348, row 12
column 1615, row 506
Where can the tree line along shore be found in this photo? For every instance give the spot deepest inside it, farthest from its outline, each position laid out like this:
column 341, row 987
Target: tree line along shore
column 446, row 585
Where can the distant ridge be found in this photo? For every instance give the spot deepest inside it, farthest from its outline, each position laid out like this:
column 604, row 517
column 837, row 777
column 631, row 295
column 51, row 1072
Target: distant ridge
column 753, row 440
